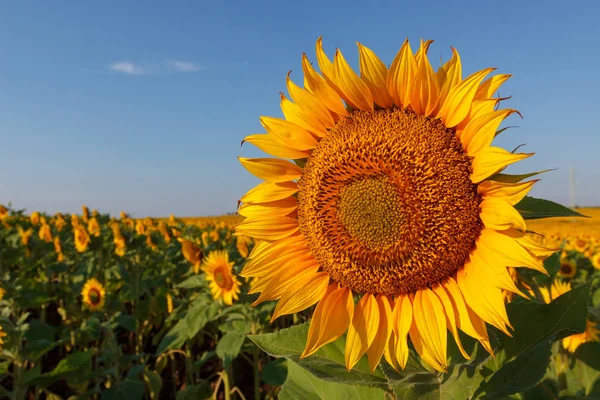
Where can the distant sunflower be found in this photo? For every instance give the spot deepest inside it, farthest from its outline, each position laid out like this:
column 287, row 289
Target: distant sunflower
column 93, row 294
column 580, row 244
column 34, row 218
column 223, row 283
column 3, row 212
column 82, row 238
column 2, row 293
column 60, row 257
column 94, row 227
column 85, row 213
column 192, row 253
column 45, row 233
column 568, row 268
column 392, row 197
column 241, row 244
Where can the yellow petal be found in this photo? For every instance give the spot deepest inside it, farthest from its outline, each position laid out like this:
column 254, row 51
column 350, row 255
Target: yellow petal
column 402, row 317
column 430, row 321
column 289, row 134
column 498, row 214
column 487, row 301
column 401, row 75
column 491, row 160
column 275, row 148
column 424, row 88
column 479, row 132
column 320, row 88
column 355, row 90
column 496, row 274
column 279, row 208
column 271, row 169
column 489, row 87
column 303, row 296
column 463, row 316
column 309, row 103
column 383, row 332
column 448, row 76
column 275, row 254
column 506, row 251
column 267, row 229
column 450, row 317
column 330, row 320
column 296, row 115
column 537, row 249
column 374, row 73
column 510, row 192
column 362, row 330
column 297, row 273
column 268, row 191
column 458, row 102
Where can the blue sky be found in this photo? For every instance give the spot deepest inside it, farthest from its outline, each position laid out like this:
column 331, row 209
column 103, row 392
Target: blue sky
column 142, row 108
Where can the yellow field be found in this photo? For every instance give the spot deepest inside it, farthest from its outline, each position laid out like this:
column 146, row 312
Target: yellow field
column 569, row 226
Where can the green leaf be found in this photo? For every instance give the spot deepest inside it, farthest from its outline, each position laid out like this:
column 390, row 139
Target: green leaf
column 461, row 381
column 229, row 347
column 195, row 392
column 127, row 390
column 127, row 322
column 535, row 322
column 192, row 282
column 275, row 372
column 519, row 374
column 153, row 382
column 301, row 385
column 589, row 354
column 508, row 178
column 175, row 338
column 301, row 162
column 73, row 365
column 533, row 208
column 327, row 363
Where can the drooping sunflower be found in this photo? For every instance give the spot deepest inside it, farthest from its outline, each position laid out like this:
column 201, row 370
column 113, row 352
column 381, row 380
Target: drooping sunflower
column 392, row 197
column 34, row 218
column 45, row 233
column 192, row 253
column 94, row 227
column 94, row 294
column 82, row 238
column 568, row 268
column 60, row 257
column 223, row 283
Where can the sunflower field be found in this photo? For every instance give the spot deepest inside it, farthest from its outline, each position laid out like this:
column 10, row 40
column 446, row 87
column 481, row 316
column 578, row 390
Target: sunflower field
column 386, row 254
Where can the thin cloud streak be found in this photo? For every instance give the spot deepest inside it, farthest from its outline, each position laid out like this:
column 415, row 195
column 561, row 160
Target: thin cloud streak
column 127, row 67
column 184, row 66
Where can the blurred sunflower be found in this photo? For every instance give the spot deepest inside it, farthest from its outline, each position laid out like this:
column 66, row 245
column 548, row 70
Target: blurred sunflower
column 74, row 220
column 82, row 238
column 35, row 218
column 2, row 334
column 204, row 237
column 94, row 227
column 192, row 253
column 3, row 212
column 140, row 228
column 568, row 268
column 2, row 293
column 25, row 235
column 169, row 303
column 120, row 245
column 60, row 257
column 94, row 294
column 59, row 222
column 85, row 213
column 164, row 231
column 45, row 233
column 391, row 197
column 596, row 260
column 151, row 245
column 580, row 244
column 241, row 244
column 223, row 283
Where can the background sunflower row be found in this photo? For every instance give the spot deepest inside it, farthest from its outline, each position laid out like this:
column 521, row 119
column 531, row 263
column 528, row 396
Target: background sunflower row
column 96, row 306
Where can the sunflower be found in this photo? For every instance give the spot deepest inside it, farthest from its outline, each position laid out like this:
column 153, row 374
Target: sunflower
column 580, row 244
column 3, row 212
column 391, row 197
column 45, row 233
column 2, row 293
column 169, row 303
column 59, row 222
column 596, row 260
column 223, row 283
column 94, row 227
column 241, row 244
column 35, row 218
column 85, row 213
column 93, row 294
column 60, row 257
column 82, row 238
column 568, row 268
column 192, row 253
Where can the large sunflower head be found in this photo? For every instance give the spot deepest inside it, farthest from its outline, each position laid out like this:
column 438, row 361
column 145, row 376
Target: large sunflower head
column 223, row 282
column 391, row 195
column 94, row 294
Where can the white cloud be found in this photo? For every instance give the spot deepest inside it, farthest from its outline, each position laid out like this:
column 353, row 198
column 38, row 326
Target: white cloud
column 127, row 68
column 184, row 66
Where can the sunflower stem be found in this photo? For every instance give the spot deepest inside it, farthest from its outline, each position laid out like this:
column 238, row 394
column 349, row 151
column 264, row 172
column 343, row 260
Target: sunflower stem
column 226, row 384
column 255, row 366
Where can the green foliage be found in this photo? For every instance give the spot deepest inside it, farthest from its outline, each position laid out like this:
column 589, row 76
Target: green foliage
column 533, row 208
